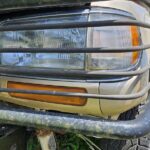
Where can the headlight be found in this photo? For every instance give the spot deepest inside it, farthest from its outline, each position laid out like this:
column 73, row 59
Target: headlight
column 113, row 37
column 45, row 39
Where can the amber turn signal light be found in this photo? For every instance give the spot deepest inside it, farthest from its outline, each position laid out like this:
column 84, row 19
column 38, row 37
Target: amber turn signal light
column 135, row 42
column 77, row 101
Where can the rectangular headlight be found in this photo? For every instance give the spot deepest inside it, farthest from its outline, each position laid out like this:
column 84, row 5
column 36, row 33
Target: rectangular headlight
column 108, row 37
column 60, row 38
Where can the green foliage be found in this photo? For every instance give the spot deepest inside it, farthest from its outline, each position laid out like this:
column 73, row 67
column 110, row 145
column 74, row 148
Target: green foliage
column 33, row 144
column 71, row 142
column 67, row 142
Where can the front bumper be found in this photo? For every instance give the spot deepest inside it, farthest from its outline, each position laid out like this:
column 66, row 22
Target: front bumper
column 86, row 125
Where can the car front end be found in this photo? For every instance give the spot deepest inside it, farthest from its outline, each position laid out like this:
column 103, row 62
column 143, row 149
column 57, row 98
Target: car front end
column 91, row 61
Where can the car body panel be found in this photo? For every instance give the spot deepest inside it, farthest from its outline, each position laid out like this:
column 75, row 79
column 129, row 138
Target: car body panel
column 136, row 83
column 91, row 107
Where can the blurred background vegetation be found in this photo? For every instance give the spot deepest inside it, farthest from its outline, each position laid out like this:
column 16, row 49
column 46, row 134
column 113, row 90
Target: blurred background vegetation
column 67, row 142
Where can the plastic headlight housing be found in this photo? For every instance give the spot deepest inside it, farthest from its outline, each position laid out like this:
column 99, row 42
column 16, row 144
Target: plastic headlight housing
column 112, row 37
column 60, row 38
column 108, row 37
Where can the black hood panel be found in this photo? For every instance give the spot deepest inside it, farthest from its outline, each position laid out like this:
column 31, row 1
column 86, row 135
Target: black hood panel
column 9, row 5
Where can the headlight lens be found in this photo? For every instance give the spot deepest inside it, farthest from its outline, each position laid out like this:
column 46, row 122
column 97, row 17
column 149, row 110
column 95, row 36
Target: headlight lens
column 108, row 37
column 61, row 38
column 112, row 37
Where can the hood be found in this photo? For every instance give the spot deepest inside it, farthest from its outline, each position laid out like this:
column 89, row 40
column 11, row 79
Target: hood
column 9, row 5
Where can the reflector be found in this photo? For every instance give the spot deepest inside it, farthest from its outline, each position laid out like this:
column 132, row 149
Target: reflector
column 77, row 101
column 135, row 42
